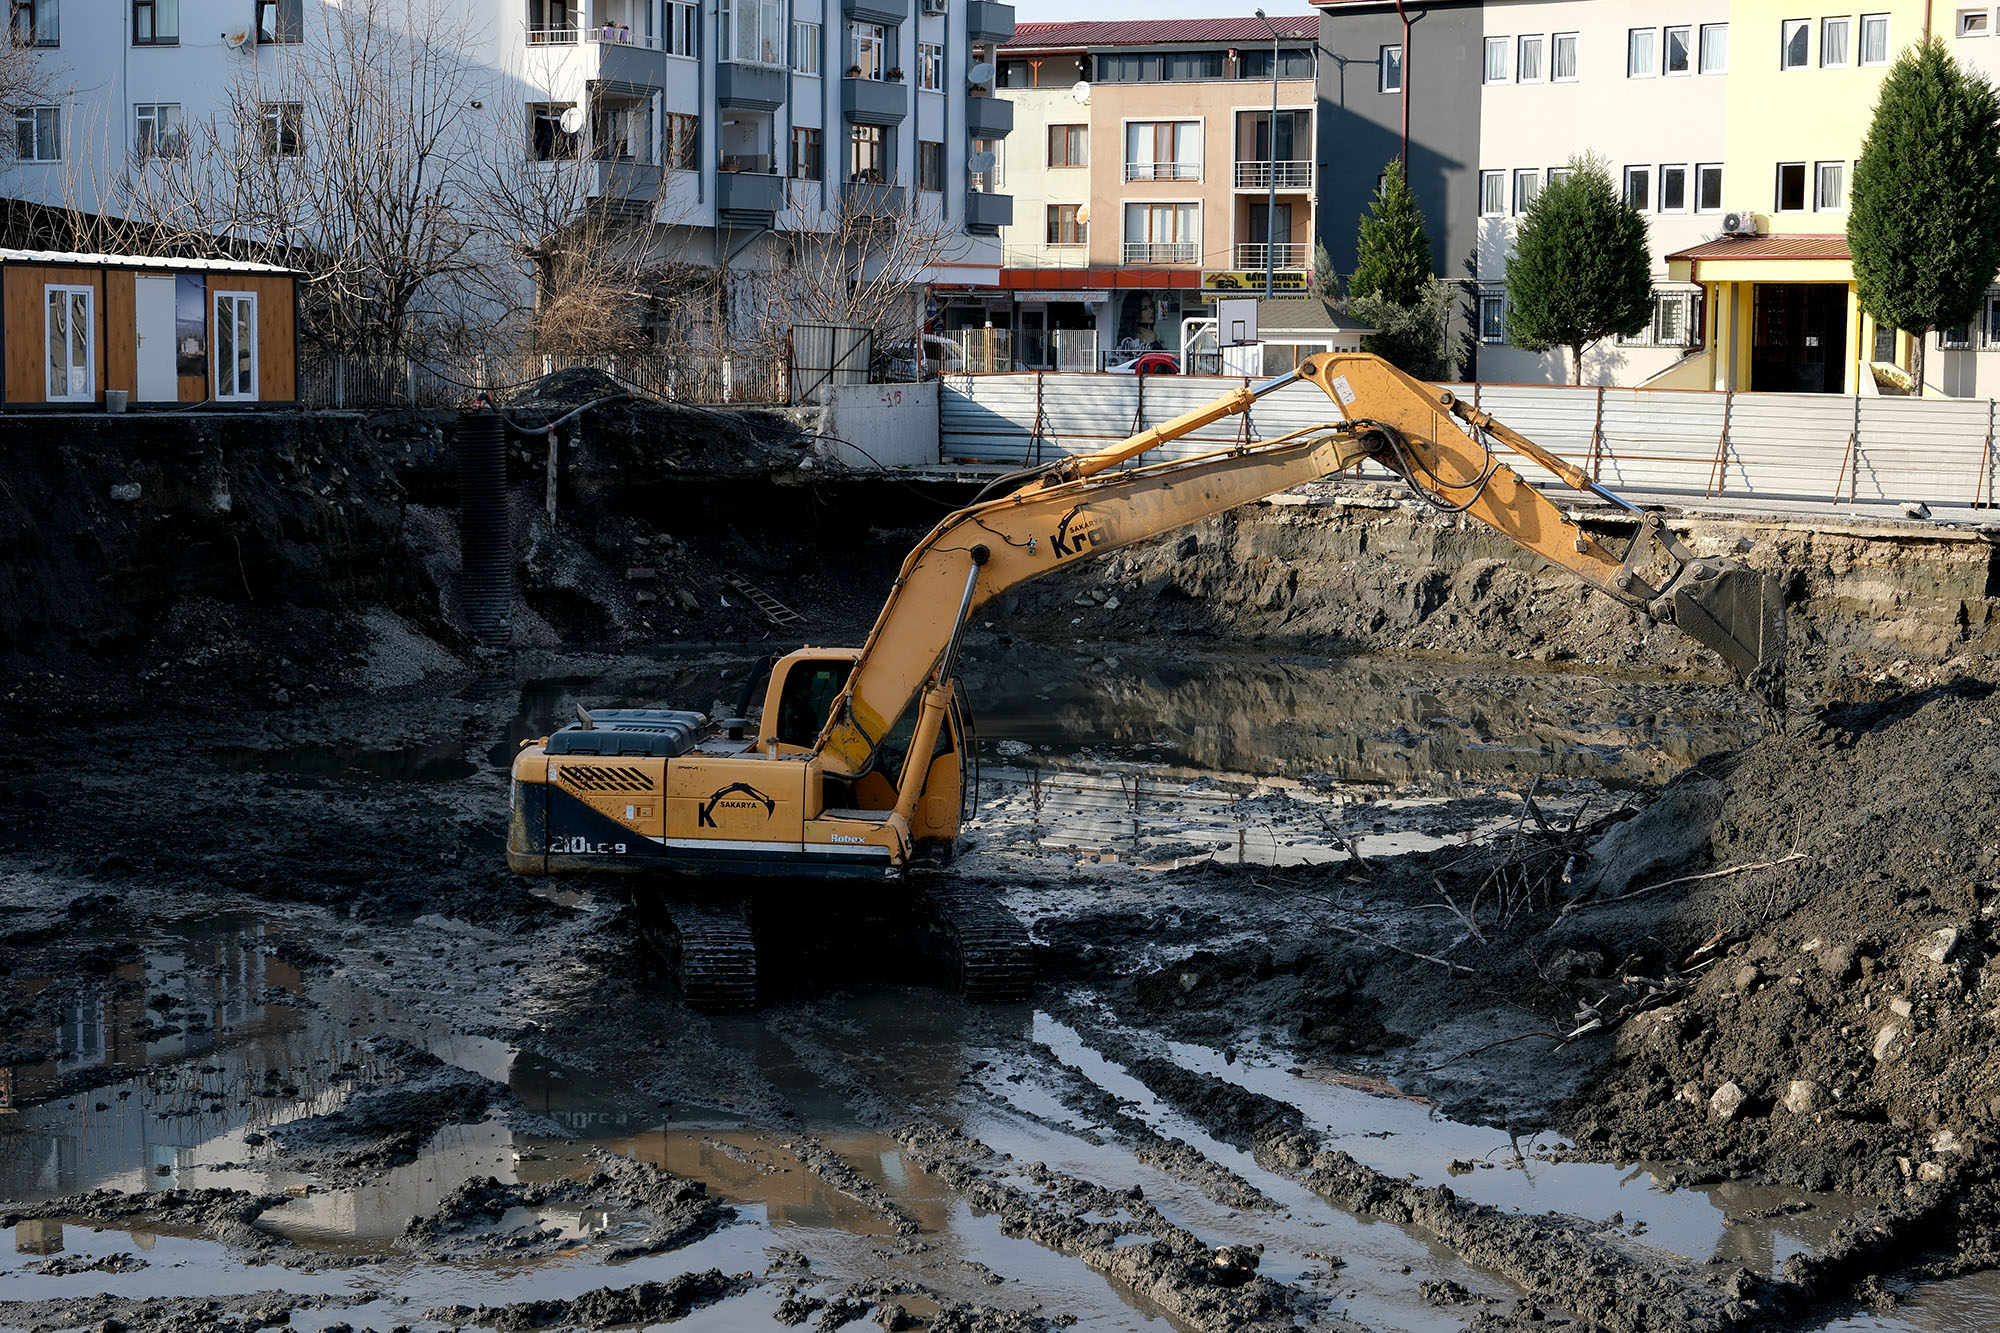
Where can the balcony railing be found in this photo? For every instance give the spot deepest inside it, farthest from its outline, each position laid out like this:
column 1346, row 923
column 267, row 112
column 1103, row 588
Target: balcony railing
column 1163, row 171
column 1290, row 175
column 614, row 38
column 1163, row 252
column 1257, row 257
column 554, row 36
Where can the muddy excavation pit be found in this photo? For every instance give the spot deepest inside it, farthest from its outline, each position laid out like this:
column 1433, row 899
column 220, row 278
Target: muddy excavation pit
column 1372, row 993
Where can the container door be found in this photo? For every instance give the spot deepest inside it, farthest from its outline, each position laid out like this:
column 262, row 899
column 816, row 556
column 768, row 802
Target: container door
column 153, row 301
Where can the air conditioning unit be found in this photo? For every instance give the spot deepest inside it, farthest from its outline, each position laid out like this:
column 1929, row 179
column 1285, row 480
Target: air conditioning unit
column 1739, row 224
column 936, row 6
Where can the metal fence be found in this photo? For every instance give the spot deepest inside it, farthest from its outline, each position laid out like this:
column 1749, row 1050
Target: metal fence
column 1764, row 446
column 826, row 355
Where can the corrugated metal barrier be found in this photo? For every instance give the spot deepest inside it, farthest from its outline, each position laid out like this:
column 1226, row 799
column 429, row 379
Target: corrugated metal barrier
column 1757, row 445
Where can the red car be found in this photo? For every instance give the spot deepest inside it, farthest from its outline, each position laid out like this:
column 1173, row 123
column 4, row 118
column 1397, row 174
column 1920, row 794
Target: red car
column 1148, row 363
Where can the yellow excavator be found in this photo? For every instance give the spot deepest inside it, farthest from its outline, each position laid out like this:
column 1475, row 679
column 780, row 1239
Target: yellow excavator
column 857, row 764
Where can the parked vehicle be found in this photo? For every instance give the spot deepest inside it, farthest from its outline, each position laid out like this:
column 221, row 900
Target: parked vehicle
column 1147, row 363
column 900, row 363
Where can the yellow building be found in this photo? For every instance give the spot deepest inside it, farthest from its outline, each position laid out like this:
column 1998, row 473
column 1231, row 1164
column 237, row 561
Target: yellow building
column 1779, row 309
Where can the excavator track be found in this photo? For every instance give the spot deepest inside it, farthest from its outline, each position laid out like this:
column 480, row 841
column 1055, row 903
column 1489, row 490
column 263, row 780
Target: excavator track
column 990, row 948
column 714, row 955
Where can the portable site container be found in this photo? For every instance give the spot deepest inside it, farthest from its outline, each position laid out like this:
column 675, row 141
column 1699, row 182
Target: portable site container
column 165, row 332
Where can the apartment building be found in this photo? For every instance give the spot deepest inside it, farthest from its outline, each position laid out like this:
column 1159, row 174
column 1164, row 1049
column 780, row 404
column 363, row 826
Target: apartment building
column 1155, row 176
column 724, row 125
column 1702, row 110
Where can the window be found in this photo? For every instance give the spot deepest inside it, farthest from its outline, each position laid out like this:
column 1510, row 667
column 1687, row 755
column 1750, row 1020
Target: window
column 805, row 153
column 930, row 165
column 684, row 29
column 1674, row 189
column 1641, row 58
column 1492, row 318
column 1791, row 187
column 1496, row 59
column 236, row 346
column 1493, row 194
column 1557, row 175
column 1162, row 233
column 1832, row 43
column 157, row 131
column 68, row 352
column 548, row 141
column 1065, row 228
column 930, row 66
column 621, row 129
column 1715, row 48
column 1671, row 319
column 1957, row 339
column 1795, row 48
column 1990, row 333
column 805, row 47
column 1163, row 150
column 1974, row 22
column 868, row 155
column 1708, row 188
column 37, row 23
column 1392, row 69
column 1639, row 188
column 156, row 22
column 1565, row 44
column 683, row 139
column 1885, row 344
column 280, row 21
column 752, row 32
column 1185, row 65
column 994, row 178
column 38, row 133
column 281, row 126
column 1528, row 65
column 1874, row 39
column 1527, row 184
column 1829, row 186
column 867, row 51
column 1128, row 69
column 1680, row 50
column 1069, row 145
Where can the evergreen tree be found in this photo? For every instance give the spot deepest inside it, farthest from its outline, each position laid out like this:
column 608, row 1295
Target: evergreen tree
column 1325, row 282
column 1393, row 257
column 1923, row 219
column 1581, row 269
column 1411, row 337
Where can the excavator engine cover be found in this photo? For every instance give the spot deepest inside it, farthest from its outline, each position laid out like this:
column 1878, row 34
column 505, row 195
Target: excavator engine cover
column 1739, row 613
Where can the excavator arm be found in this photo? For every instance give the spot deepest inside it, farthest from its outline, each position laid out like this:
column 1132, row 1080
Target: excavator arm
column 1077, row 508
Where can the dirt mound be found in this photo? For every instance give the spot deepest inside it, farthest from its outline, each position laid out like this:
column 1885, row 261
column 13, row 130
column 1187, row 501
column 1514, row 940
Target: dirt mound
column 606, row 1307
column 387, row 1125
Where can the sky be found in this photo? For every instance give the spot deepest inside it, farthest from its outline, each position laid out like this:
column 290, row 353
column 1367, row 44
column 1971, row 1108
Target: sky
column 1057, row 11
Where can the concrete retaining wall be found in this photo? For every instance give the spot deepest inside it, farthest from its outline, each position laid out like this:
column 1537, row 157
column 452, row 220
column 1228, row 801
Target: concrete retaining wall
column 870, row 426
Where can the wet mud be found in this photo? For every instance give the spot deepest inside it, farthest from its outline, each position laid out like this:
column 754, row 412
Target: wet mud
column 1376, row 994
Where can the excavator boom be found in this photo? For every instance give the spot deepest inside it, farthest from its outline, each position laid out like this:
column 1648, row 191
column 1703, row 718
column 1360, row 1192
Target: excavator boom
column 1444, row 448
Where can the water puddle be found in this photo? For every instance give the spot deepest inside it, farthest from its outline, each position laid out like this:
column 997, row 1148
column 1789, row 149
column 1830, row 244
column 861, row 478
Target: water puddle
column 1959, row 1305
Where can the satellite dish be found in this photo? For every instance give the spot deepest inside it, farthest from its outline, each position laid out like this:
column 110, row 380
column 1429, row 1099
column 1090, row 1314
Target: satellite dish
column 571, row 120
column 1083, row 213
column 234, row 40
column 979, row 163
column 980, row 73
column 1081, row 92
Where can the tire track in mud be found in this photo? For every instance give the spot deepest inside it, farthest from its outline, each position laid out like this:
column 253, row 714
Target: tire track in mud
column 1115, row 1233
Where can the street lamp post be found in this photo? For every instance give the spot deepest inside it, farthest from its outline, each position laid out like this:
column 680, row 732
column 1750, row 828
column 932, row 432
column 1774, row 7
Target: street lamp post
column 1271, row 170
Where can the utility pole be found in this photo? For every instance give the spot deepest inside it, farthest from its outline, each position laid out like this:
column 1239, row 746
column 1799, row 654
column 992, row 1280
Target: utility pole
column 1271, row 168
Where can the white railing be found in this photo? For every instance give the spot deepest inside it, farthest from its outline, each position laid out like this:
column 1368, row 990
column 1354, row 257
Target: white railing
column 1163, row 171
column 1259, row 256
column 1257, row 175
column 631, row 39
column 554, row 36
column 1163, row 252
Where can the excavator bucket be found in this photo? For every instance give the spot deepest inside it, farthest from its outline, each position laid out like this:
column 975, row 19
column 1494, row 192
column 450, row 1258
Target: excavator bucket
column 1739, row 613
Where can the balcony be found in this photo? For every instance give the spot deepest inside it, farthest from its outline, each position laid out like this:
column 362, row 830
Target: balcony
column 988, row 21
column 749, row 196
column 879, row 11
column 1290, row 176
column 1162, row 252
column 1256, row 257
column 987, row 213
column 874, row 101
column 627, row 189
column 559, row 35
column 989, row 117
column 1163, row 171
column 869, row 200
column 759, row 87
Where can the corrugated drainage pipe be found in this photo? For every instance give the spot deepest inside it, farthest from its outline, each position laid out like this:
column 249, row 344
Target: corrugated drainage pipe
column 485, row 528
